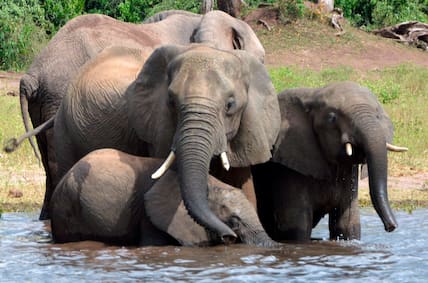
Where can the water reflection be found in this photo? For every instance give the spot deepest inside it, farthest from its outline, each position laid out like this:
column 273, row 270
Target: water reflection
column 27, row 255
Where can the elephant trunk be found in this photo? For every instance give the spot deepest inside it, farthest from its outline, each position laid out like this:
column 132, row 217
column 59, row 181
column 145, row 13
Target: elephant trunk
column 235, row 209
column 194, row 149
column 376, row 153
column 257, row 236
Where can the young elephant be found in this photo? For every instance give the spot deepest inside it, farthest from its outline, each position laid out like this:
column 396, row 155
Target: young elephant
column 325, row 134
column 109, row 196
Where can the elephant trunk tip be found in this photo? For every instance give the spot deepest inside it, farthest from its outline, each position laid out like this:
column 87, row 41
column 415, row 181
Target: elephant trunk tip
column 228, row 239
column 389, row 227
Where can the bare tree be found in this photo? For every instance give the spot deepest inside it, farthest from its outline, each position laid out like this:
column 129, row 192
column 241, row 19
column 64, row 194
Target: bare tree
column 328, row 5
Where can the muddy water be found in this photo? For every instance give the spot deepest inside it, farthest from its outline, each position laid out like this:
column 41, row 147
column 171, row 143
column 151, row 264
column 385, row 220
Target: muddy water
column 26, row 255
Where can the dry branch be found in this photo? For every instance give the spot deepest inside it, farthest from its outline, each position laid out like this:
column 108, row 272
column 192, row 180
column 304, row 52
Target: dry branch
column 412, row 33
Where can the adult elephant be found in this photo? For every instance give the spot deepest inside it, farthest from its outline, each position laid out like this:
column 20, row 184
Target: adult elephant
column 325, row 134
column 197, row 101
column 82, row 38
column 109, row 196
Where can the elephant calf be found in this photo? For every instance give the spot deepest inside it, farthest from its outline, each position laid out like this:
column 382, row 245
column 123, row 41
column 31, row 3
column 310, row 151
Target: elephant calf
column 109, row 196
column 326, row 133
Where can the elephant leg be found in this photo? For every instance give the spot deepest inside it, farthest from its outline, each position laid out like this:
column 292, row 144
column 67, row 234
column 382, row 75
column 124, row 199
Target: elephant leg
column 344, row 223
column 50, row 165
column 294, row 224
column 344, row 219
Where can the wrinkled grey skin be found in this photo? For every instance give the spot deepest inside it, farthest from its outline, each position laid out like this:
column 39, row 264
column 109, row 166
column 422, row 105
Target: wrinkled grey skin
column 109, row 196
column 82, row 38
column 196, row 100
column 311, row 175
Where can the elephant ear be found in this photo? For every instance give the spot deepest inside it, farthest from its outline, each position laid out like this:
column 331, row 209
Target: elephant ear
column 384, row 120
column 297, row 146
column 165, row 209
column 222, row 31
column 148, row 92
column 260, row 119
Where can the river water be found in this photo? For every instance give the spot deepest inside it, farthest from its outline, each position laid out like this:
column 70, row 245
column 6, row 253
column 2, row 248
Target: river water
column 26, row 255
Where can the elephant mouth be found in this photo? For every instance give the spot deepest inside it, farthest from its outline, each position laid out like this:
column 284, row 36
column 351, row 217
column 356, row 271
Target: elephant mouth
column 351, row 154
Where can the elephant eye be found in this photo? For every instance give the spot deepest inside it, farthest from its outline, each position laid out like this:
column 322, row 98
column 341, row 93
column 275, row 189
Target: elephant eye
column 171, row 101
column 230, row 105
column 331, row 117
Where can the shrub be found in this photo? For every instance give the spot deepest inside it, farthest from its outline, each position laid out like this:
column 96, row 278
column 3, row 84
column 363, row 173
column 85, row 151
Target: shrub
column 290, row 10
column 376, row 14
column 136, row 10
column 22, row 32
column 58, row 12
column 188, row 5
column 106, row 7
column 387, row 13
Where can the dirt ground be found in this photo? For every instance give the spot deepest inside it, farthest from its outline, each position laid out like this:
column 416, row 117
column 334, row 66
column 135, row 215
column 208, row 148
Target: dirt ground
column 373, row 52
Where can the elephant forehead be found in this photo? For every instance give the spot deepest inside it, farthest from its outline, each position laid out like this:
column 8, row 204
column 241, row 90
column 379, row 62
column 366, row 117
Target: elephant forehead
column 201, row 61
column 346, row 94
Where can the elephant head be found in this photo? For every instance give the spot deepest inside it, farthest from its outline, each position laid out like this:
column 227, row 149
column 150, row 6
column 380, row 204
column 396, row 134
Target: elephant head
column 165, row 209
column 204, row 102
column 234, row 34
column 340, row 123
column 218, row 29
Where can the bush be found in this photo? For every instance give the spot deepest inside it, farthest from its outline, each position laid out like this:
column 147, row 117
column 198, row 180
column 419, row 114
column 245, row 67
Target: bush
column 22, row 32
column 290, row 10
column 58, row 12
column 387, row 13
column 136, row 10
column 106, row 7
column 188, row 5
column 376, row 14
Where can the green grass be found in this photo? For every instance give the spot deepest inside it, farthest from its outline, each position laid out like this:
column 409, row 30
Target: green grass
column 403, row 91
column 17, row 169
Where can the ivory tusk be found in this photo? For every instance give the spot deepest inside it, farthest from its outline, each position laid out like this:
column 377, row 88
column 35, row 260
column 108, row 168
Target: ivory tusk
column 225, row 161
column 348, row 149
column 395, row 148
column 165, row 166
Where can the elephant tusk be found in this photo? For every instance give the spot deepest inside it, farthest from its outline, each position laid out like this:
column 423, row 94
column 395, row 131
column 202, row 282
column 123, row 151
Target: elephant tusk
column 225, row 161
column 395, row 148
column 165, row 166
column 348, row 149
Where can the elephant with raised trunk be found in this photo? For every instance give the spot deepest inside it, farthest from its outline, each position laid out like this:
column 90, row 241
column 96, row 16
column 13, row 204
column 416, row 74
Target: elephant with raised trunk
column 325, row 134
column 82, row 38
column 196, row 101
column 109, row 196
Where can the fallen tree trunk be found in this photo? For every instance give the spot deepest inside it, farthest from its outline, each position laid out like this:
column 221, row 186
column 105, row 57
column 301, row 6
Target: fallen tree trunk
column 411, row 33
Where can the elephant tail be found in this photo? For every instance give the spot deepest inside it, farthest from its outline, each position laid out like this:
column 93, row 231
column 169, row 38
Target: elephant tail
column 27, row 88
column 13, row 143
